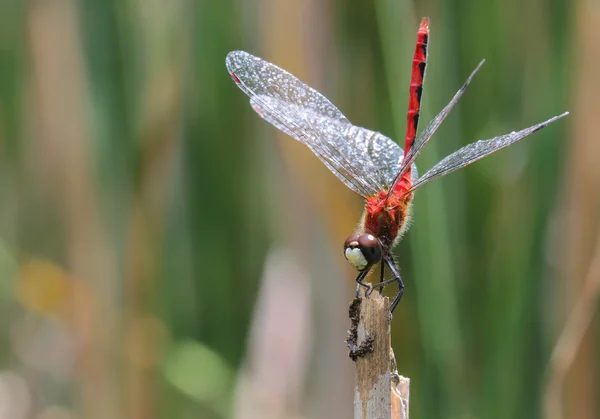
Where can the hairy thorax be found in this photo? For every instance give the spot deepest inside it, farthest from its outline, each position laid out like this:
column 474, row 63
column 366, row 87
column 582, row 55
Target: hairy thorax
column 386, row 220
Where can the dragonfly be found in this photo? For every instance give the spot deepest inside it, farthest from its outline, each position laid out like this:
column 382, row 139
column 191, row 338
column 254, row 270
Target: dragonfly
column 369, row 163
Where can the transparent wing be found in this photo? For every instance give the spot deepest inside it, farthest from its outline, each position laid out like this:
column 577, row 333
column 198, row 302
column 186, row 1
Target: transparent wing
column 259, row 77
column 365, row 161
column 354, row 154
column 475, row 151
column 422, row 140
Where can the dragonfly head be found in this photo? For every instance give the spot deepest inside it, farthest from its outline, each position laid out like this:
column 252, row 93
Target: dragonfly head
column 362, row 250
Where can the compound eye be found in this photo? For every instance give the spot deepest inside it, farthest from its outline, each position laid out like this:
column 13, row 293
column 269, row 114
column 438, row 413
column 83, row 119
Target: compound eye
column 351, row 241
column 370, row 247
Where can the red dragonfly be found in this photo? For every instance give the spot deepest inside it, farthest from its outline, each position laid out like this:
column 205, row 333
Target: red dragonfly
column 368, row 162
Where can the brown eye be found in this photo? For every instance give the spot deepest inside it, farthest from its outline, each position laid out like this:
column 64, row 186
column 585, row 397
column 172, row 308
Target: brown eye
column 351, row 241
column 370, row 248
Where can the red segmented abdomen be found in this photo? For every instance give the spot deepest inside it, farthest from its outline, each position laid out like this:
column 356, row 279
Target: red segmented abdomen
column 416, row 84
column 415, row 92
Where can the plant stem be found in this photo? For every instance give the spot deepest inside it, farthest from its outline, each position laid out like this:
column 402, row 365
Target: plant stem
column 379, row 391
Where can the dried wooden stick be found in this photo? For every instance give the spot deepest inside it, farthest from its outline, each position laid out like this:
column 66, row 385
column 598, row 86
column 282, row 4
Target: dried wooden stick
column 379, row 391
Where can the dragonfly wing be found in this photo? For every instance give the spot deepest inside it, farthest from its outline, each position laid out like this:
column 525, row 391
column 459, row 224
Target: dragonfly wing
column 372, row 154
column 475, row 151
column 366, row 161
column 359, row 157
column 422, row 140
column 259, row 77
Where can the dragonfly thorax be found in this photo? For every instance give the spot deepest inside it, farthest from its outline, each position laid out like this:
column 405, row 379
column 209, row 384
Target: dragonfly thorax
column 387, row 219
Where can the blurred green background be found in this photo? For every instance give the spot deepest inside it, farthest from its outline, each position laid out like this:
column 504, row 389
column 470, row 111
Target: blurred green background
column 164, row 253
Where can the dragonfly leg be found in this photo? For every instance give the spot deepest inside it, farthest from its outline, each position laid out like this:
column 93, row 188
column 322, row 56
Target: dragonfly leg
column 392, row 267
column 381, row 284
column 359, row 280
column 382, row 281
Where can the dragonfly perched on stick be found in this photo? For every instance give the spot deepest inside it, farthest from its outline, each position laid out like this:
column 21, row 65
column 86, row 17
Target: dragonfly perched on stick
column 369, row 163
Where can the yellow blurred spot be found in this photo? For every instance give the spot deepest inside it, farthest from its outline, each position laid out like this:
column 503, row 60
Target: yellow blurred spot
column 43, row 287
